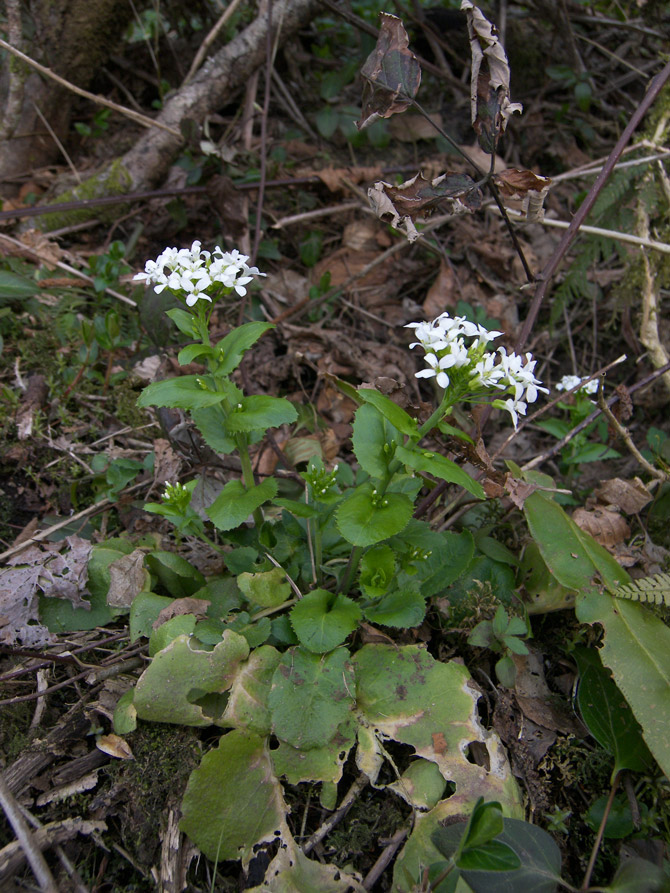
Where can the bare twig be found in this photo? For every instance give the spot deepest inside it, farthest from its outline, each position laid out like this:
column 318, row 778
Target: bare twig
column 553, row 264
column 624, row 434
column 599, row 835
column 210, row 38
column 664, row 247
column 33, row 853
column 100, row 100
column 269, row 62
column 347, row 802
column 384, row 859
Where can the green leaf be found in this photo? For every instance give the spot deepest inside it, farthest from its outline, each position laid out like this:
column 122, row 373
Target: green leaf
column 322, row 621
column 422, row 785
column 363, row 519
column 619, row 822
column 637, row 651
column 376, row 570
column 492, row 856
column 390, row 410
column 232, row 348
column 192, row 351
column 125, row 715
column 440, row 467
column 506, row 671
column 261, row 412
column 574, row 558
column 233, row 802
column 402, row 608
column 311, row 695
column 485, row 823
column 165, row 689
column 235, row 503
column 185, row 322
column 175, row 574
column 374, row 440
column 247, row 706
column 607, row 715
column 181, row 625
column 186, row 392
column 267, row 589
column 212, row 423
column 637, row 876
column 322, row 764
column 540, row 860
column 592, row 452
column 14, row 287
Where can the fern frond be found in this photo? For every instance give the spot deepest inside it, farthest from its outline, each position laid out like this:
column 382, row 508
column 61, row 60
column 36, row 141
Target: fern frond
column 655, row 588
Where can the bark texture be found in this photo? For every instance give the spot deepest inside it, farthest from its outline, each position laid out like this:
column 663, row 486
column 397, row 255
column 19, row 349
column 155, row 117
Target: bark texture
column 73, row 38
column 145, row 165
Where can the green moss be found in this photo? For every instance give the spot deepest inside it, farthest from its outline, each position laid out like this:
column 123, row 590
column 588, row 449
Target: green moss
column 113, row 180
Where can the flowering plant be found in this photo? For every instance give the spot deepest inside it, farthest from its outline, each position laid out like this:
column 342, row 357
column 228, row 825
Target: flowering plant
column 456, row 355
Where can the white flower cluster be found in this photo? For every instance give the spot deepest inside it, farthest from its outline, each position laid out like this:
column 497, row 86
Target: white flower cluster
column 470, row 368
column 192, row 271
column 568, row 382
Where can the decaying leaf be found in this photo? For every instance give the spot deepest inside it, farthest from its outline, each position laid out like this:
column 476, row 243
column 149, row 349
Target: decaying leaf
column 525, row 187
column 115, row 746
column 40, row 569
column 401, row 205
column 127, row 577
column 391, row 71
column 605, row 525
column 628, row 496
column 490, row 106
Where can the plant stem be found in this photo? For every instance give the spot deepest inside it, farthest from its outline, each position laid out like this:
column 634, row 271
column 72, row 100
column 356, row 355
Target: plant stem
column 438, row 880
column 599, row 835
column 354, row 558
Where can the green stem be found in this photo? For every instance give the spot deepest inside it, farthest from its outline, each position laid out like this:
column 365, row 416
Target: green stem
column 438, row 880
column 354, row 558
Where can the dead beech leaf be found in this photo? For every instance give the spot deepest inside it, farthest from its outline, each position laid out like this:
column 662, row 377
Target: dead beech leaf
column 114, row 746
column 453, row 192
column 392, row 73
column 335, row 177
column 525, row 187
column 490, row 106
column 127, row 578
column 517, row 490
column 628, row 496
column 167, row 463
column 606, row 527
column 188, row 605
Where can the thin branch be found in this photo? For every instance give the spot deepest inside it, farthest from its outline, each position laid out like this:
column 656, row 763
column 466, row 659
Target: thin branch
column 209, row 40
column 264, row 133
column 553, row 264
column 100, row 100
column 597, row 231
column 347, row 802
column 624, row 434
column 24, row 836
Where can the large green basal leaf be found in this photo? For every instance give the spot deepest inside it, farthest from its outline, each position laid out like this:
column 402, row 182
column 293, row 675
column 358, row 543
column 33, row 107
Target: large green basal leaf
column 164, row 692
column 607, row 714
column 247, row 706
column 322, row 620
column 318, row 763
column 364, row 519
column 311, row 695
column 636, row 649
column 574, row 558
column 292, row 872
column 233, row 800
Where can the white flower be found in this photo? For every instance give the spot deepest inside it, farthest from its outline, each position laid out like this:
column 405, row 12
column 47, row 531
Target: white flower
column 514, row 408
column 568, row 382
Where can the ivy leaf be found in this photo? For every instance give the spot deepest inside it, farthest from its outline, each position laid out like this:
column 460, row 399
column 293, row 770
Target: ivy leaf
column 235, row 503
column 364, row 520
column 403, row 608
column 185, row 392
column 439, row 467
column 311, row 695
column 321, row 626
column 260, row 412
column 392, row 73
column 232, row 348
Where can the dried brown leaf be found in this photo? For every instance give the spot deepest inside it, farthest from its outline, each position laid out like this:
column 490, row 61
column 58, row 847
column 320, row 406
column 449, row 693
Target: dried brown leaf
column 606, row 527
column 525, row 187
column 391, row 71
column 490, row 106
column 179, row 606
column 628, row 496
column 115, row 747
column 127, row 578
